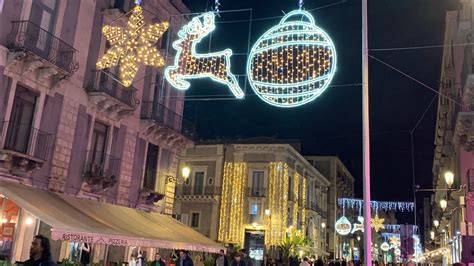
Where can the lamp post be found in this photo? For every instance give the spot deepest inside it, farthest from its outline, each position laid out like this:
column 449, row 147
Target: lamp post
column 449, row 178
column 185, row 172
column 443, row 204
column 436, row 223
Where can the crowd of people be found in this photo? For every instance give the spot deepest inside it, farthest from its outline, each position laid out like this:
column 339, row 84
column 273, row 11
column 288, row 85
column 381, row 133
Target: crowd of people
column 40, row 255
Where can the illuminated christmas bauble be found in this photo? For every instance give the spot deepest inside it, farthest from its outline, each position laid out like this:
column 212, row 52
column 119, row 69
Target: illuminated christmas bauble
column 343, row 226
column 293, row 62
column 385, row 246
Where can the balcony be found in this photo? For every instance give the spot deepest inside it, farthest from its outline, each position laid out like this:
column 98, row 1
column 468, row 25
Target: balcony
column 206, row 191
column 101, row 171
column 464, row 129
column 110, row 96
column 39, row 54
column 315, row 207
column 257, row 192
column 26, row 149
column 164, row 125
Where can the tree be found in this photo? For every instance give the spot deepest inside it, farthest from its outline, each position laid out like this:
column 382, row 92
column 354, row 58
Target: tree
column 292, row 244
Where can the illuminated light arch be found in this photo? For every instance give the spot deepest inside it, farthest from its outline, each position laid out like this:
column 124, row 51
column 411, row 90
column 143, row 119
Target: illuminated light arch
column 188, row 64
column 292, row 63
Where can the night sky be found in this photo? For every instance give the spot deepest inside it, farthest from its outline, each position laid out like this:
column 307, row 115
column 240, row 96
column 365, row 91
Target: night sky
column 331, row 125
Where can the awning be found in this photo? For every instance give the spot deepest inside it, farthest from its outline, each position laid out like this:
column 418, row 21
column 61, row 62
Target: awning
column 83, row 220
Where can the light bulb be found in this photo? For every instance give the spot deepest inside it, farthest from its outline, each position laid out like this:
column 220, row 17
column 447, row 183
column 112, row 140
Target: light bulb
column 443, row 204
column 436, row 223
column 449, row 178
column 28, row 221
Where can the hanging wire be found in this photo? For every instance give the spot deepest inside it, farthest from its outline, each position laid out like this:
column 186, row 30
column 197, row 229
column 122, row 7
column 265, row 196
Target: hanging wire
column 414, row 79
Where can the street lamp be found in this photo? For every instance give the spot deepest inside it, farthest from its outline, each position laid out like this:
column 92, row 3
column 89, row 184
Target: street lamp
column 267, row 212
column 358, row 238
column 323, row 225
column 449, row 178
column 432, row 235
column 443, row 204
column 436, row 223
column 185, row 172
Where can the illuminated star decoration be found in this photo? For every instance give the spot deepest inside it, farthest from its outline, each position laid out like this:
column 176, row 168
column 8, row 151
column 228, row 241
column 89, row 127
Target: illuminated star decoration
column 189, row 64
column 358, row 227
column 377, row 223
column 132, row 45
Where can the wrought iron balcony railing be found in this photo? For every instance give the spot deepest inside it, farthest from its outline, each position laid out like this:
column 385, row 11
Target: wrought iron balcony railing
column 106, row 82
column 99, row 164
column 206, row 190
column 257, row 192
column 25, row 139
column 159, row 113
column 27, row 36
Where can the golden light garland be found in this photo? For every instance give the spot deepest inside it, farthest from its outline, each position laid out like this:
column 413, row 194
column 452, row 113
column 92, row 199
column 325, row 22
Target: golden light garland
column 295, row 193
column 303, row 204
column 132, row 45
column 232, row 203
column 225, row 208
column 277, row 202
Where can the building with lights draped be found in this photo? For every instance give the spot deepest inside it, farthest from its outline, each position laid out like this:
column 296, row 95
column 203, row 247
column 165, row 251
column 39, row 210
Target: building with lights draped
column 252, row 194
column 342, row 186
column 453, row 237
column 78, row 147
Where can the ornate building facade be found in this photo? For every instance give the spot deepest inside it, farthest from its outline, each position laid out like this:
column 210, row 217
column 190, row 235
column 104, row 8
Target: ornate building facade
column 69, row 128
column 454, row 140
column 253, row 195
column 342, row 186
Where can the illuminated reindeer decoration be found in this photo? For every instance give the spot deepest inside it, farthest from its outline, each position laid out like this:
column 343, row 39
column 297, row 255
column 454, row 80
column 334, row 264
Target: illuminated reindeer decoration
column 190, row 65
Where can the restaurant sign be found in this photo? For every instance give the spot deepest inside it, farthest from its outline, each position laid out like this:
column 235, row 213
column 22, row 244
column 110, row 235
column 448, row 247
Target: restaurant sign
column 114, row 240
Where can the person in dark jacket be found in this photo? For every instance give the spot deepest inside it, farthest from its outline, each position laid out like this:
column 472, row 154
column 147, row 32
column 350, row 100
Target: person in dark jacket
column 158, row 261
column 222, row 260
column 238, row 261
column 246, row 258
column 184, row 259
column 40, row 252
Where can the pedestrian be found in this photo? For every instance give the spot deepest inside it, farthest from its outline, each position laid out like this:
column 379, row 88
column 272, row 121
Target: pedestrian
column 184, row 259
column 158, row 260
column 85, row 254
column 40, row 252
column 135, row 259
column 319, row 262
column 293, row 261
column 266, row 260
column 222, row 260
column 198, row 261
column 305, row 262
column 238, row 261
column 245, row 257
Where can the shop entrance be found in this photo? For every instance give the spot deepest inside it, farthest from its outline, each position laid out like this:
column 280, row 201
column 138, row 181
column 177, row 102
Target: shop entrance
column 254, row 242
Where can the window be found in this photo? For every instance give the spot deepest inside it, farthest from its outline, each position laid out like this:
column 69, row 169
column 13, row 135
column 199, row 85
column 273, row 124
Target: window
column 257, row 183
column 43, row 15
column 151, row 167
column 21, row 119
column 195, row 220
column 98, row 147
column 198, row 183
column 255, row 212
